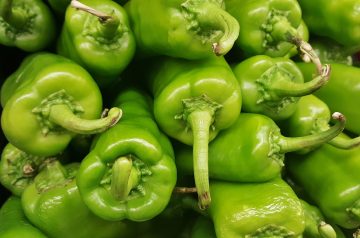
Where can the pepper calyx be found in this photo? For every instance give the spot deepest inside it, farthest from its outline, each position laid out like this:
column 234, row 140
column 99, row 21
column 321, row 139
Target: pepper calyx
column 271, row 230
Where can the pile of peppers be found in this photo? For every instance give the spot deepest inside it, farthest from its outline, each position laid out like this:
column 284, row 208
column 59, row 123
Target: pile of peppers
column 182, row 118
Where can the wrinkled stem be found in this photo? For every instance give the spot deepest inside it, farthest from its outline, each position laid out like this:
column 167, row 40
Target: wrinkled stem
column 124, row 178
column 62, row 115
column 289, row 88
column 210, row 15
column 326, row 230
column 16, row 17
column 289, row 144
column 184, row 190
column 345, row 143
column 200, row 122
column 103, row 17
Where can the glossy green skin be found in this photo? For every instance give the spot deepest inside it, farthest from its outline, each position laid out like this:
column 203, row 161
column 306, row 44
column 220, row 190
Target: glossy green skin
column 38, row 32
column 251, row 15
column 161, row 27
column 246, row 158
column 338, row 20
column 313, row 217
column 252, row 206
column 136, row 134
column 59, row 6
column 38, row 76
column 174, row 80
column 343, row 84
column 81, row 40
column 330, row 177
column 59, row 211
column 13, row 222
column 252, row 69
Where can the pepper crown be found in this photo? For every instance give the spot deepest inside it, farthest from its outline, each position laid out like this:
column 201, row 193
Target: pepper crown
column 212, row 24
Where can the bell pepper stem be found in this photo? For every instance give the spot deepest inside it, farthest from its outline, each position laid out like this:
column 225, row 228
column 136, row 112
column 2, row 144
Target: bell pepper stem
column 283, row 31
column 62, row 115
column 184, row 190
column 200, row 122
column 124, row 178
column 109, row 24
column 210, row 15
column 290, row 144
column 289, row 88
column 15, row 17
column 345, row 143
column 326, row 230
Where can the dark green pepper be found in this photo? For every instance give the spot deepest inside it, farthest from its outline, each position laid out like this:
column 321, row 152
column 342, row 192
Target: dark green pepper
column 252, row 149
column 13, row 222
column 313, row 116
column 330, row 177
column 269, row 209
column 48, row 100
column 130, row 171
column 273, row 86
column 193, row 101
column 203, row 228
column 335, row 19
column 26, row 24
column 18, row 169
column 341, row 93
column 59, row 6
column 270, row 28
column 53, row 204
column 100, row 40
column 190, row 29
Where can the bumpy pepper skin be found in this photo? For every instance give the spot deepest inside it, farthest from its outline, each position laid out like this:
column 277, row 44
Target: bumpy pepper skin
column 193, row 101
column 18, row 169
column 103, row 47
column 341, row 93
column 48, row 100
column 26, row 24
column 268, row 209
column 130, row 171
column 251, row 150
column 190, row 29
column 273, row 86
column 54, row 205
column 265, row 25
column 13, row 222
column 330, row 177
column 338, row 20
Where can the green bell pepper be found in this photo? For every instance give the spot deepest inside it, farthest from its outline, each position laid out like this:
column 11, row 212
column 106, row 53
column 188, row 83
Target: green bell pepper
column 269, row 209
column 99, row 40
column 252, row 149
column 189, row 29
column 18, row 169
column 335, row 19
column 341, row 93
column 13, row 222
column 330, row 177
column 273, row 86
column 59, row 6
column 53, row 204
column 313, row 116
column 193, row 101
column 203, row 228
column 270, row 28
column 315, row 225
column 48, row 100
column 26, row 24
column 130, row 171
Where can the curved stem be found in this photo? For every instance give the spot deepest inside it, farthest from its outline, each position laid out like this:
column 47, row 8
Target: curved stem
column 282, row 30
column 15, row 17
column 290, row 88
column 345, row 143
column 289, row 144
column 200, row 122
column 103, row 17
column 210, row 15
column 62, row 115
column 124, row 177
column 326, row 230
